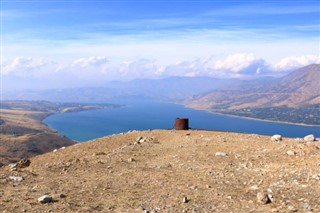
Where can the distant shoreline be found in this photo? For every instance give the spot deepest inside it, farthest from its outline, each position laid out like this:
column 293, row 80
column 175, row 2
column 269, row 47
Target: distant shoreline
column 265, row 120
column 251, row 118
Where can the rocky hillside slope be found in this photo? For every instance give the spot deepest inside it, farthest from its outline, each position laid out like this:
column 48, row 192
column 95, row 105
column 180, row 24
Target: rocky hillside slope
column 169, row 171
column 298, row 88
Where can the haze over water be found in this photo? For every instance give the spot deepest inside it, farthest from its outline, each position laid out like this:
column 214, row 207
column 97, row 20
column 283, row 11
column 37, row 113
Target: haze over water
column 144, row 115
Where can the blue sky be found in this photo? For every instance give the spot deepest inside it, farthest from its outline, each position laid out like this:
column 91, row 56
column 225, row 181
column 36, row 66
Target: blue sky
column 122, row 40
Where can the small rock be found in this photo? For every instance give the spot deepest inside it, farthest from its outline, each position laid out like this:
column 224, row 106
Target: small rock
column 221, row 154
column 254, row 187
column 290, row 153
column 16, row 178
column 139, row 138
column 309, row 138
column 98, row 153
column 263, row 198
column 62, row 196
column 131, row 160
column 306, row 206
column 21, row 164
column 292, row 208
column 55, row 150
column 276, row 138
column 45, row 199
column 185, row 200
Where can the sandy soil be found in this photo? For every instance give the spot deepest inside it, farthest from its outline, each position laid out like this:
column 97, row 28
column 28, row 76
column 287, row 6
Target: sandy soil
column 169, row 171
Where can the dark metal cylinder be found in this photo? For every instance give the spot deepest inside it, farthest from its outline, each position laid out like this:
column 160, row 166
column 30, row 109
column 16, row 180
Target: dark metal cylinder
column 181, row 124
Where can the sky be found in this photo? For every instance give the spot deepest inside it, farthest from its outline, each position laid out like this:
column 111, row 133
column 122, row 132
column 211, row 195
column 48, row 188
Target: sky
column 75, row 43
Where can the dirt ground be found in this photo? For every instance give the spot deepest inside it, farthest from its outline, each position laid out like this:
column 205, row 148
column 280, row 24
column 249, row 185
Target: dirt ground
column 169, row 171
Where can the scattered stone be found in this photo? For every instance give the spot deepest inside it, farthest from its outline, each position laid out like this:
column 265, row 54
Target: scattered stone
column 131, row 160
column 254, row 187
column 55, row 150
column 138, row 139
column 221, row 154
column 290, row 153
column 98, row 153
column 263, row 198
column 143, row 139
column 309, row 138
column 292, row 208
column 276, row 138
column 21, row 164
column 144, row 210
column 306, row 206
column 185, row 200
column 16, row 178
column 62, row 196
column 45, row 199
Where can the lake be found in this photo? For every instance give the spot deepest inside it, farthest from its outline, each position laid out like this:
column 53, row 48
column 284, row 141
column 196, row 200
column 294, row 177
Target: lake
column 145, row 114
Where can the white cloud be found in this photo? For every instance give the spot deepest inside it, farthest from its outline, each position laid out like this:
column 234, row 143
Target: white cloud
column 27, row 67
column 240, row 63
column 293, row 62
column 97, row 70
column 93, row 61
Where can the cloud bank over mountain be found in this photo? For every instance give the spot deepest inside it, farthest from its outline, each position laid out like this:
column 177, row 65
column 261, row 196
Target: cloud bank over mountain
column 100, row 69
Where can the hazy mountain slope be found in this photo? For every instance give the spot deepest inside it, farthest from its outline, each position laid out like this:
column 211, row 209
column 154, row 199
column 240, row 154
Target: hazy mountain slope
column 298, row 88
column 173, row 88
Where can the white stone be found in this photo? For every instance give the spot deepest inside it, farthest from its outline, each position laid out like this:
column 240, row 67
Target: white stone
column 221, row 154
column 45, row 199
column 276, row 138
column 16, row 178
column 290, row 153
column 309, row 138
column 263, row 198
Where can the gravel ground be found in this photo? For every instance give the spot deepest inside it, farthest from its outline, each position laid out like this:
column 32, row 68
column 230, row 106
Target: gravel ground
column 169, row 171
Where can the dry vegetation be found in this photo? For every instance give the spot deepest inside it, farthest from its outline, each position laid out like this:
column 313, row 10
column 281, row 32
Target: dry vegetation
column 169, row 171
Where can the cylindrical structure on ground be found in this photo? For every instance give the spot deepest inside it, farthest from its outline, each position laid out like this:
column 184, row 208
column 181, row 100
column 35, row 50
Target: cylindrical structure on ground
column 181, row 124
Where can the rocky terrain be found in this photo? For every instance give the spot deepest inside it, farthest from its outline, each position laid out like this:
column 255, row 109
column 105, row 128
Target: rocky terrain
column 169, row 171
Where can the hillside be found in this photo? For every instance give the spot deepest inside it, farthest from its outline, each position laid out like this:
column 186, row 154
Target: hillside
column 22, row 133
column 169, row 171
column 291, row 94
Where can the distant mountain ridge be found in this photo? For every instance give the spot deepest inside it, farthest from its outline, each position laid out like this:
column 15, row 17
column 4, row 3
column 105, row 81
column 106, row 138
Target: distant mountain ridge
column 299, row 88
column 293, row 98
column 169, row 89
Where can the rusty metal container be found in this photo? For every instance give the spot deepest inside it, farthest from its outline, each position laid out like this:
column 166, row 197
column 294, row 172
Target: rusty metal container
column 181, row 124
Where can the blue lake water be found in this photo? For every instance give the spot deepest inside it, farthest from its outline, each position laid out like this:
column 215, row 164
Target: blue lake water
column 143, row 115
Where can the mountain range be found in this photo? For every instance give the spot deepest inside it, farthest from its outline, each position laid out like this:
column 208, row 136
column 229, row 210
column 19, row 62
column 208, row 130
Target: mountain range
column 299, row 88
column 292, row 98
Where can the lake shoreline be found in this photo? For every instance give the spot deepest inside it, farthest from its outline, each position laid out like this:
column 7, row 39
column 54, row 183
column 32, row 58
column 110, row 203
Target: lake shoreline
column 264, row 120
column 249, row 118
column 144, row 115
